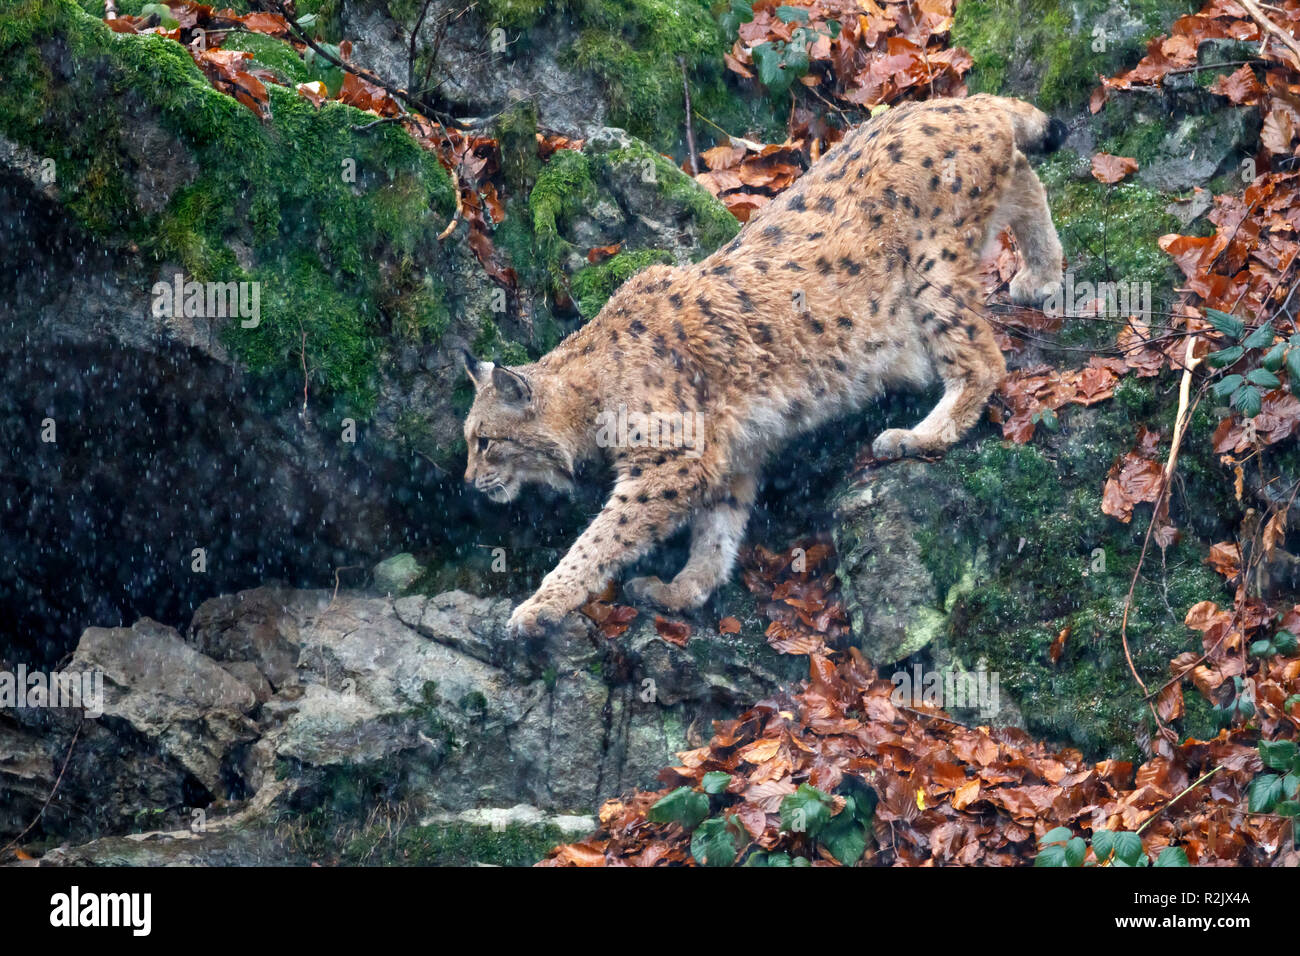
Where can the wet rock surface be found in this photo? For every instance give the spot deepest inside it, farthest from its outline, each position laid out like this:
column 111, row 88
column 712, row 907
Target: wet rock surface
column 422, row 702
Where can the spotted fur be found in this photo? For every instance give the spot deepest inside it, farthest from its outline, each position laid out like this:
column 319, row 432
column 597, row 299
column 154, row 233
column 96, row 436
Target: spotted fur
column 863, row 276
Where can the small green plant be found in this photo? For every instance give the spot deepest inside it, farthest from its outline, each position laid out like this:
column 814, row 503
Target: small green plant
column 720, row 840
column 1245, row 390
column 1122, row 848
column 780, row 63
column 1277, row 792
column 740, row 11
column 1283, row 642
column 1240, row 705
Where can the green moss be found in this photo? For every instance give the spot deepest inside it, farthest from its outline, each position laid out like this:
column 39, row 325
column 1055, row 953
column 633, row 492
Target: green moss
column 1054, row 560
column 564, row 186
column 1110, row 234
column 1052, row 51
column 593, row 285
column 636, row 49
column 515, row 14
column 453, row 844
column 714, row 225
column 272, row 54
column 319, row 204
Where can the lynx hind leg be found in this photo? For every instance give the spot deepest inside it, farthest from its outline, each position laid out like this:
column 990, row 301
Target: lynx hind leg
column 716, row 533
column 1024, row 208
column 971, row 366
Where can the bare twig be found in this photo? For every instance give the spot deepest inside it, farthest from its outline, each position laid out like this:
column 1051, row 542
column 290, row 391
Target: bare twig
column 410, row 53
column 690, row 131
column 1180, row 425
column 397, row 92
column 1273, row 30
column 460, row 205
column 1159, row 810
column 53, row 790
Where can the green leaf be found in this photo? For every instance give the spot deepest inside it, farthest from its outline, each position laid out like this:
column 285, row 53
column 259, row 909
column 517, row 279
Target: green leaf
column 1227, row 385
column 806, row 810
column 1293, row 367
column 1264, row 792
column 1172, row 856
column 1291, row 785
column 306, row 21
column 1229, row 325
column 715, row 782
column 769, row 60
column 845, row 836
column 714, row 843
column 684, row 805
column 1075, row 851
column 1047, row 418
column 323, row 69
column 790, row 14
column 1053, row 855
column 1272, row 360
column 1103, row 845
column 1248, row 401
column 1285, row 642
column 165, row 18
column 1263, row 378
column 1128, row 847
column 1262, row 648
column 1288, row 808
column 1225, row 357
column 1261, row 338
column 1277, row 754
column 742, row 11
column 1059, row 835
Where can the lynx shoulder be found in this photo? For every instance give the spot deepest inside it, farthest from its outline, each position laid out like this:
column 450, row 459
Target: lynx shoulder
column 862, row 277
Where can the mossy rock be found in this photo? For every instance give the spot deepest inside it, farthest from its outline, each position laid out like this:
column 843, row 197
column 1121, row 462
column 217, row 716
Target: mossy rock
column 640, row 51
column 990, row 553
column 304, row 203
column 1054, row 51
column 616, row 190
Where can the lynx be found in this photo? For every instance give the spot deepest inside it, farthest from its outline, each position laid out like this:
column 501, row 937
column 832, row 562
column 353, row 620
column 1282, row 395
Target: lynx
column 861, row 277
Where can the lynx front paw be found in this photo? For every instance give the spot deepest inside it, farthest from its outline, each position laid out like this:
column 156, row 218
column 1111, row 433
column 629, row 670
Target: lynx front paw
column 1029, row 288
column 647, row 590
column 680, row 595
column 533, row 618
column 895, row 443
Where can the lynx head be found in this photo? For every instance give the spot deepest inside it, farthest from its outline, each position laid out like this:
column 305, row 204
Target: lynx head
column 510, row 440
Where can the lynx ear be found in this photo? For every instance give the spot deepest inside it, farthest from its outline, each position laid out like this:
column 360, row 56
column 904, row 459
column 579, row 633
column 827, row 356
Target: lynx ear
column 477, row 371
column 513, row 387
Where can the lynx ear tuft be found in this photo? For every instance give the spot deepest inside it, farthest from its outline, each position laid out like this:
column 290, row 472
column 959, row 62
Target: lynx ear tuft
column 513, row 387
column 477, row 371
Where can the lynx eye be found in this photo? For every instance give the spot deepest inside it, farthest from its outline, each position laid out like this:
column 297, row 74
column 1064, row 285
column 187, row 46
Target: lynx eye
column 483, row 444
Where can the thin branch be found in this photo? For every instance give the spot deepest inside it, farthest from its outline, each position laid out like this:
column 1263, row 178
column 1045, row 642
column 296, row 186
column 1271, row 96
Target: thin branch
column 1159, row 810
column 690, row 131
column 1273, row 30
column 53, row 790
column 1180, row 422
